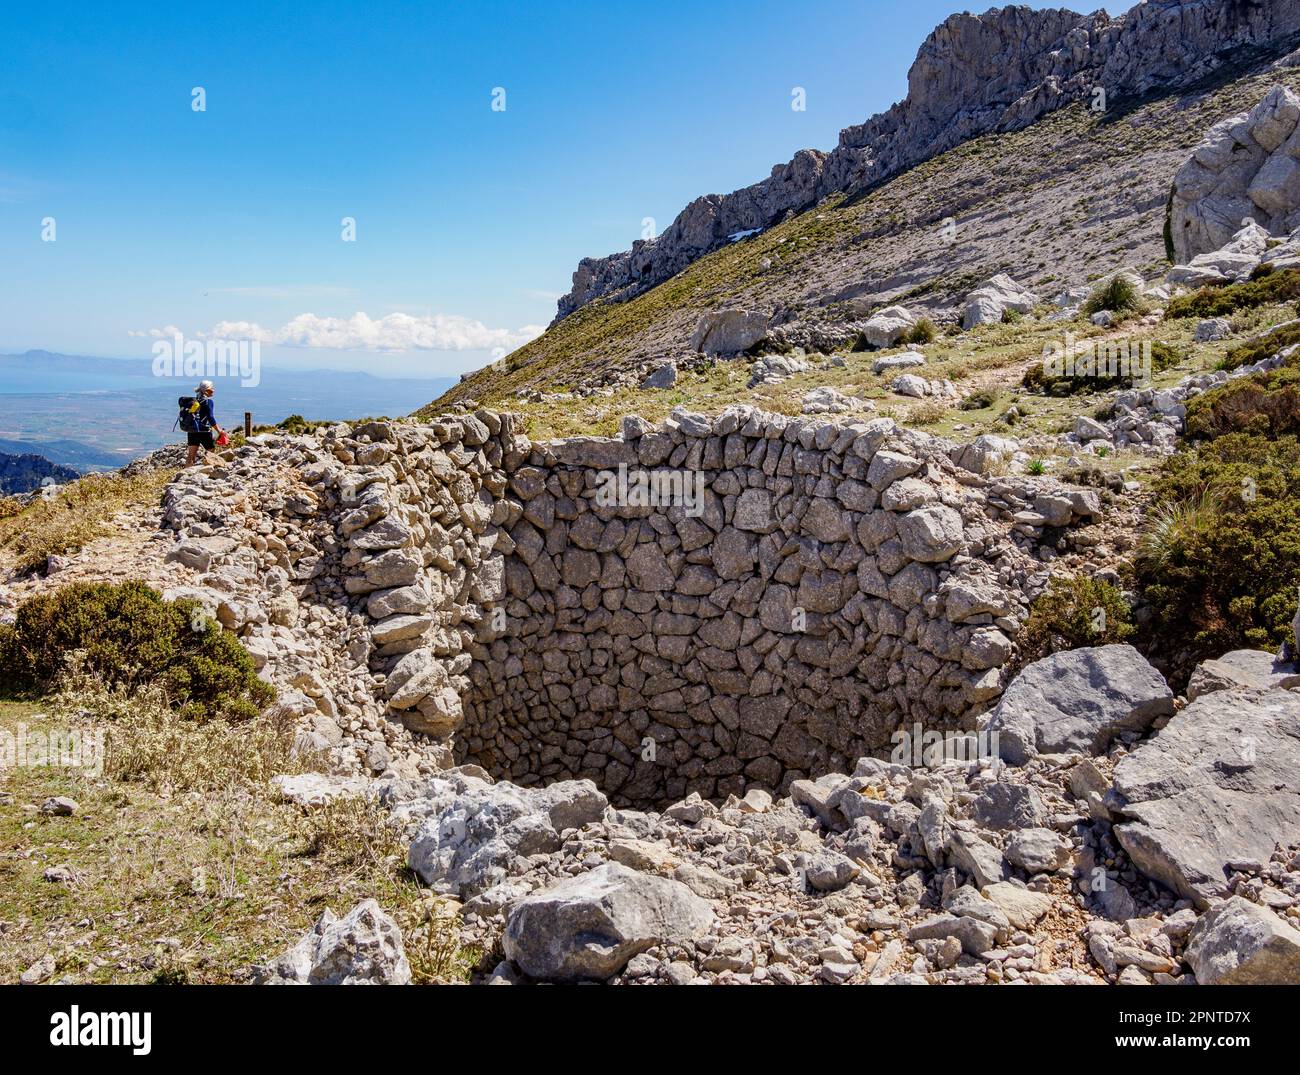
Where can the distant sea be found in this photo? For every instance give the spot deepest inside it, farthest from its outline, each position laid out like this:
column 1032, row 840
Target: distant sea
column 96, row 413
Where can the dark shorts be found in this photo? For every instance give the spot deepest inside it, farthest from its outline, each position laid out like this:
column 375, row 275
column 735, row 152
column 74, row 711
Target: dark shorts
column 202, row 440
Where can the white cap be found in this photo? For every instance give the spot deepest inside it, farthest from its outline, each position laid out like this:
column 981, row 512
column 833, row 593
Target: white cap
column 206, row 386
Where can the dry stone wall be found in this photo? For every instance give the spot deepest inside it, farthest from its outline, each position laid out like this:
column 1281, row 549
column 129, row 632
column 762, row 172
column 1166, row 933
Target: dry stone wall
column 743, row 600
column 706, row 606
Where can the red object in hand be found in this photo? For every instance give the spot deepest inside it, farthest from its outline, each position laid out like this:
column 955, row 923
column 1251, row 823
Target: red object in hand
column 223, row 440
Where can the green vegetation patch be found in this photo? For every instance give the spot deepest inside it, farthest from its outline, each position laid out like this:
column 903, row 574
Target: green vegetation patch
column 1263, row 404
column 1269, row 289
column 1219, row 561
column 1075, row 612
column 1118, row 295
column 1037, row 377
column 127, row 635
column 1262, row 347
column 75, row 515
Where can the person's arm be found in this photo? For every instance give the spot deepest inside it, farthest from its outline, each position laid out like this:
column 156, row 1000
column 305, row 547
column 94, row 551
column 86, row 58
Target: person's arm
column 211, row 415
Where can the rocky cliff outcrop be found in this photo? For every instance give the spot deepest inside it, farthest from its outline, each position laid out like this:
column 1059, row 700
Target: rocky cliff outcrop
column 975, row 74
column 27, row 473
column 1246, row 170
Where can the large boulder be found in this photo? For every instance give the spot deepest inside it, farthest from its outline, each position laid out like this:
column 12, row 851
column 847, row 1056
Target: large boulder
column 886, row 327
column 1241, row 668
column 990, row 301
column 1247, row 167
column 1219, row 784
column 985, row 453
column 590, row 925
column 1077, row 700
column 364, row 947
column 728, row 332
column 662, row 376
column 1242, row 943
column 1232, row 262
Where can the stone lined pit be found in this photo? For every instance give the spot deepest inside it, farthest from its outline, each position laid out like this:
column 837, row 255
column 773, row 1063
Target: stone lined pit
column 807, row 587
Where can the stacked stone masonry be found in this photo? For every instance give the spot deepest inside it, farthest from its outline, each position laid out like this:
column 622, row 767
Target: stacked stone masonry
column 705, row 606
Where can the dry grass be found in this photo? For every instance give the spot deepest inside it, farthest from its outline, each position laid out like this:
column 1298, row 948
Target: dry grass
column 75, row 515
column 188, row 866
column 150, row 745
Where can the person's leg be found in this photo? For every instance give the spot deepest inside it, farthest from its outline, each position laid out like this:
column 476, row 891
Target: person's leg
column 191, row 455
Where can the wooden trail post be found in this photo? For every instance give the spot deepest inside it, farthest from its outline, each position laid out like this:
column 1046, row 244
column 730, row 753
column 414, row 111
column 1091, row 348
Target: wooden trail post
column 248, row 423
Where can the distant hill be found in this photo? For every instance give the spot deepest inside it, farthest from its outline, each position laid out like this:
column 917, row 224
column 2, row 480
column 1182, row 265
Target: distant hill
column 24, row 473
column 69, row 453
column 94, row 413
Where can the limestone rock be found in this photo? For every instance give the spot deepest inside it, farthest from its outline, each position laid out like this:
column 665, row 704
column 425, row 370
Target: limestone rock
column 364, row 947
column 991, row 300
column 1244, row 168
column 662, row 376
column 729, row 332
column 1242, row 943
column 1077, row 700
column 886, row 327
column 1241, row 668
column 1220, row 783
column 591, row 925
column 474, row 832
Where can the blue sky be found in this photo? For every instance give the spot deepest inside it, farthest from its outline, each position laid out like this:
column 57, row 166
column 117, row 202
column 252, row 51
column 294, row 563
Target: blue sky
column 165, row 216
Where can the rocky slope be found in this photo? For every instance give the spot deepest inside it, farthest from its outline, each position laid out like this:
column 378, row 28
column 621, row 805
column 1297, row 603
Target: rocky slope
column 1062, row 827
column 1055, row 206
column 974, row 75
column 1099, row 859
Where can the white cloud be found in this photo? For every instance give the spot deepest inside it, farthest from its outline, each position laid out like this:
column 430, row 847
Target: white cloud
column 393, row 332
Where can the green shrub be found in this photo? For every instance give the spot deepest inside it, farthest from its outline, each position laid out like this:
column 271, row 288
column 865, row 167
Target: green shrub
column 1264, row 403
column 1219, row 561
column 1118, row 295
column 980, row 399
column 922, row 332
column 1268, row 290
column 1036, row 379
column 1075, row 612
column 129, row 636
column 1262, row 347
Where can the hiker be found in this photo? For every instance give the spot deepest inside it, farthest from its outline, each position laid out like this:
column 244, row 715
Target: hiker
column 199, row 423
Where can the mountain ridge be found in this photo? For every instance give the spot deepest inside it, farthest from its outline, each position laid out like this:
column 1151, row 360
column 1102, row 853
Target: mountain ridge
column 973, row 75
